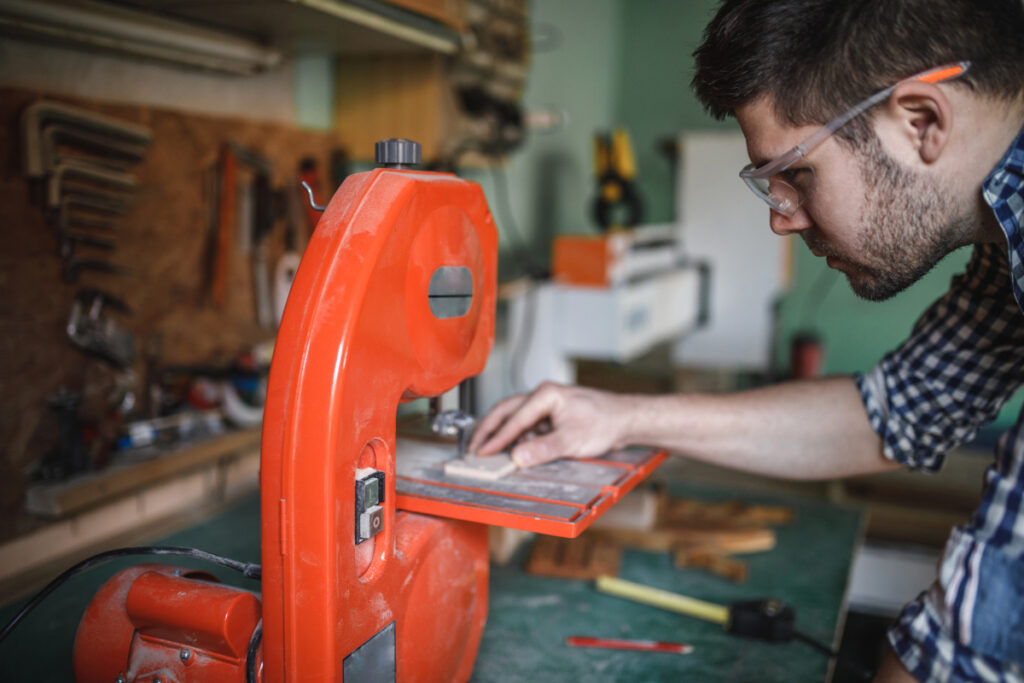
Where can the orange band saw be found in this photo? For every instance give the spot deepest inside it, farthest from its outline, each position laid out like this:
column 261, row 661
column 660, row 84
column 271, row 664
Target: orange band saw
column 374, row 563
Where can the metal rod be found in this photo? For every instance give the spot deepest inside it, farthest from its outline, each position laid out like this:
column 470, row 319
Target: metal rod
column 312, row 199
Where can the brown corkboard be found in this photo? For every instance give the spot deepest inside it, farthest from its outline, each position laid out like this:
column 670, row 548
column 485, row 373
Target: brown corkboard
column 164, row 240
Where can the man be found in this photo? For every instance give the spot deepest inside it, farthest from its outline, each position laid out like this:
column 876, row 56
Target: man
column 923, row 153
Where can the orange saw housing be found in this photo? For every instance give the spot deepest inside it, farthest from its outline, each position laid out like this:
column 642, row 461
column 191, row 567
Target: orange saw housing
column 360, row 338
column 352, row 589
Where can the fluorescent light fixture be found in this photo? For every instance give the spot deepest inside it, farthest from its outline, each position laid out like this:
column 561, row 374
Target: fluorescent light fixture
column 110, row 28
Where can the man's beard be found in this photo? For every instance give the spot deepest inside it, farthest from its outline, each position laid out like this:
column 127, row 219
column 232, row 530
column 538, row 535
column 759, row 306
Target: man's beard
column 909, row 225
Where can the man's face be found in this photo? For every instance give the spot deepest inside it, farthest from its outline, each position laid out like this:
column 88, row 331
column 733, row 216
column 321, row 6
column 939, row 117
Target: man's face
column 881, row 224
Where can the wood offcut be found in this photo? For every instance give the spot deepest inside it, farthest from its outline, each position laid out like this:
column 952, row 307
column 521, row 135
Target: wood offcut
column 699, row 535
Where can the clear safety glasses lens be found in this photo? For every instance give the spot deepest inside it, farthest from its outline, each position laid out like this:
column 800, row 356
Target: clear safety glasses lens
column 780, row 195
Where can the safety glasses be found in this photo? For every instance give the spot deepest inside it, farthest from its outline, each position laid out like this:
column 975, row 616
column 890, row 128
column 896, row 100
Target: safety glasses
column 785, row 189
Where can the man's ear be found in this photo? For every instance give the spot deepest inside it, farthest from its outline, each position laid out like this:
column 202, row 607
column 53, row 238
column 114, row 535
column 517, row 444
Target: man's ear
column 922, row 116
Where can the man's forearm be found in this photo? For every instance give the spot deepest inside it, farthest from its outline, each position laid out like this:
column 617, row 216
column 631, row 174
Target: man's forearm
column 813, row 429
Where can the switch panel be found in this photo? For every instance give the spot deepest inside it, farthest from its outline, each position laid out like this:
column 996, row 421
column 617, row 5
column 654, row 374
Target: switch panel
column 369, row 497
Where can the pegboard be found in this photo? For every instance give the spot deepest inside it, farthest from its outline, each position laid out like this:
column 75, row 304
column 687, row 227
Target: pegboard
column 164, row 240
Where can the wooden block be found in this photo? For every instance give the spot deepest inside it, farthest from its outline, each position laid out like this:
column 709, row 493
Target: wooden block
column 744, row 540
column 735, row 541
column 638, row 510
column 720, row 565
column 692, row 513
column 586, row 557
column 503, row 543
column 488, row 468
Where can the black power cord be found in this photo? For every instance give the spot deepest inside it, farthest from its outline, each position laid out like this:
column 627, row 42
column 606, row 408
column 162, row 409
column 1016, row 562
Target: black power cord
column 248, row 569
column 774, row 621
column 857, row 669
column 250, row 654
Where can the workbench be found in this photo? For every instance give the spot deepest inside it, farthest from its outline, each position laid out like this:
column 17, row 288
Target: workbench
column 530, row 617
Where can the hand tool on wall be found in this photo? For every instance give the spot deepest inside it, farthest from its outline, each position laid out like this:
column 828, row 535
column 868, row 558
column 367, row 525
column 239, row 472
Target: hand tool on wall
column 77, row 169
column 96, row 127
column 227, row 198
column 92, row 331
column 65, row 219
column 617, row 203
column 69, row 240
column 73, row 268
column 98, row 149
column 238, row 164
column 94, row 205
column 79, row 160
column 263, row 223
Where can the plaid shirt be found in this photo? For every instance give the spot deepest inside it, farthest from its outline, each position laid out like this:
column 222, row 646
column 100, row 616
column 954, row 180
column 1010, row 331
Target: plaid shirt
column 962, row 362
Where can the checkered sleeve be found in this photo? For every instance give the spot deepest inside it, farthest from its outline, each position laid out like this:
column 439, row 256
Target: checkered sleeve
column 962, row 362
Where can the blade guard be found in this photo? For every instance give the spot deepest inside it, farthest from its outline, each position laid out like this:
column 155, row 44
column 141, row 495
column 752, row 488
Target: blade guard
column 358, row 336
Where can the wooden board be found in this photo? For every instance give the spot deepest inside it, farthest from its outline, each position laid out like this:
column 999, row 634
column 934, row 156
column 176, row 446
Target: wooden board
column 723, row 540
column 55, row 500
column 682, row 511
column 705, row 535
column 586, row 557
column 473, row 467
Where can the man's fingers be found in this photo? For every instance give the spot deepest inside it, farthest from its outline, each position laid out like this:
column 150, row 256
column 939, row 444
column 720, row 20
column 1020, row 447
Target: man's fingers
column 537, row 406
column 485, row 430
column 538, row 450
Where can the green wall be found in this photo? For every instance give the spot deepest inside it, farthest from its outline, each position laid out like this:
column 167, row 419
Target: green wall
column 654, row 99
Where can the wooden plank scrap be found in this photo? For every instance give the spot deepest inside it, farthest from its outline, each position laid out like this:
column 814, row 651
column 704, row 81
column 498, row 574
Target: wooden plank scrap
column 719, row 564
column 585, row 557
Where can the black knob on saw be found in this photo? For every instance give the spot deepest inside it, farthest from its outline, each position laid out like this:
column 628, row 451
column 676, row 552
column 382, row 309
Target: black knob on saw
column 397, row 153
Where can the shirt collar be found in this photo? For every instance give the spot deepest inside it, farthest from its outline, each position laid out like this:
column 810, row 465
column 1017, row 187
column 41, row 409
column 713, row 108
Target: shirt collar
column 1003, row 190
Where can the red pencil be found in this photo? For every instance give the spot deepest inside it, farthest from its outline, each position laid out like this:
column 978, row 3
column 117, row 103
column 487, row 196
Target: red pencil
column 618, row 644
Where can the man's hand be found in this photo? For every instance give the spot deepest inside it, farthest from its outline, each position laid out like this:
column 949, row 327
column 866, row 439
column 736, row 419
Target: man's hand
column 583, row 423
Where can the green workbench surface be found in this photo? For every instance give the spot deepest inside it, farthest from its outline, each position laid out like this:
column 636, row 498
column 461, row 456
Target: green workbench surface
column 530, row 617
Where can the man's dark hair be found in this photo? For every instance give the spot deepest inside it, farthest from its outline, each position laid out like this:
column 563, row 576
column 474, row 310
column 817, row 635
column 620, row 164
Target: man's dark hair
column 816, row 58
